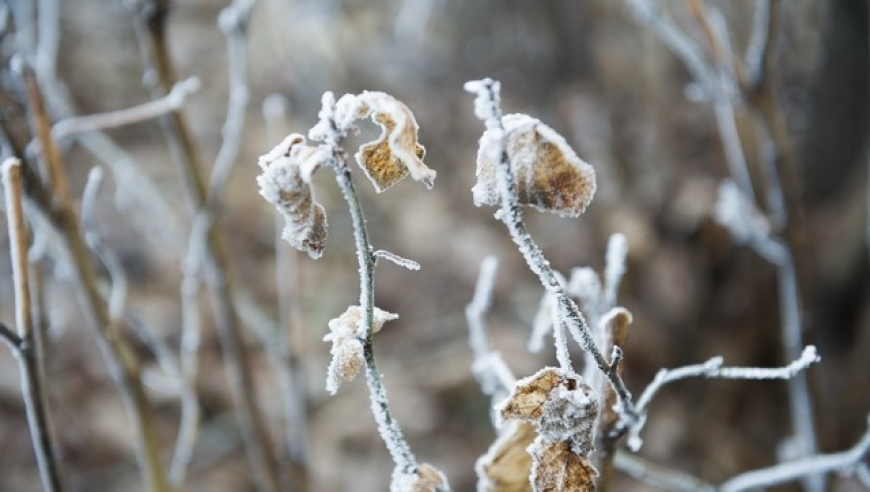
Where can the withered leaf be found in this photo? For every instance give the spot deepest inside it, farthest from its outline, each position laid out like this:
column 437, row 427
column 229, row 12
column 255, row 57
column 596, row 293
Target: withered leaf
column 286, row 183
column 527, row 399
column 507, row 465
column 558, row 469
column 548, row 174
column 396, row 153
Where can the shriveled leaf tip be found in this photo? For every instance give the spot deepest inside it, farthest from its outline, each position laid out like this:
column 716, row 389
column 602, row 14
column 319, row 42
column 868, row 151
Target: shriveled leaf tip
column 396, row 153
column 286, row 183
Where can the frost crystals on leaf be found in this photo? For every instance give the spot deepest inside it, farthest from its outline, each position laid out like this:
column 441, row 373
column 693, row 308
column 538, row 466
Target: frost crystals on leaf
column 549, row 175
column 346, row 334
column 563, row 410
column 556, row 468
column 396, row 153
column 286, row 184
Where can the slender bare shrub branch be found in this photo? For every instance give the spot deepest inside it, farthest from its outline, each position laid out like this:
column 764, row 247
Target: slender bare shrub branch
column 24, row 344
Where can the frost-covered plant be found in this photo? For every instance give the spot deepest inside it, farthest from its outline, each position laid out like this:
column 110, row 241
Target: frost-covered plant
column 286, row 183
column 559, row 431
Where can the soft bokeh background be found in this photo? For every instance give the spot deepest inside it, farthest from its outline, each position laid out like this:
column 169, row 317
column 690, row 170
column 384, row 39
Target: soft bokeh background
column 591, row 72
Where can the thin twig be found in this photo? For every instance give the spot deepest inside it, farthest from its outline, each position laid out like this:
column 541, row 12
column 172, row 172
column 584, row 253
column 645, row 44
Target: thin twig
column 119, row 356
column 388, row 427
column 173, row 101
column 233, row 22
column 32, row 386
column 150, row 25
column 659, row 476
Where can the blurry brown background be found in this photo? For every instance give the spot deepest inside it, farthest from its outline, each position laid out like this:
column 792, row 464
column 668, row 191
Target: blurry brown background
column 587, row 69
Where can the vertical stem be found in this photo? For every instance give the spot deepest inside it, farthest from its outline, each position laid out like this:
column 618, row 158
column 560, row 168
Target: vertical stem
column 151, row 26
column 32, row 385
column 388, row 427
column 119, row 356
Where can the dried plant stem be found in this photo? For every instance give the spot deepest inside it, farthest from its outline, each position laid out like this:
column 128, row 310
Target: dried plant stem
column 24, row 344
column 388, row 427
column 173, row 101
column 151, row 25
column 119, row 356
column 659, row 476
column 511, row 215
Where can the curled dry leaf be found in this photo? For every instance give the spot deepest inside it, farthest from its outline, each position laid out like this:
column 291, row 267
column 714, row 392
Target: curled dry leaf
column 549, row 175
column 396, row 153
column 561, row 406
column 507, row 465
column 346, row 334
column 556, row 468
column 427, row 478
column 286, row 183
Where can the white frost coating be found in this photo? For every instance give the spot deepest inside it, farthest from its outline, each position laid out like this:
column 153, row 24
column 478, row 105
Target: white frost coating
column 735, row 212
column 614, row 269
column 286, row 183
column 585, row 286
column 570, row 415
column 487, row 103
column 398, row 260
column 426, row 479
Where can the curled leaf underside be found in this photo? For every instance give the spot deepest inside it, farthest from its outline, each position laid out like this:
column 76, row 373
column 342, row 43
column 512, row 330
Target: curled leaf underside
column 286, row 183
column 396, row 153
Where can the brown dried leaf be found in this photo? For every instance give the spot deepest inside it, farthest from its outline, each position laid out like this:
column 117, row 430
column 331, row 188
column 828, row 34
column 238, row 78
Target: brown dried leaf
column 286, row 184
column 507, row 464
column 527, row 399
column 396, row 153
column 558, row 469
column 549, row 175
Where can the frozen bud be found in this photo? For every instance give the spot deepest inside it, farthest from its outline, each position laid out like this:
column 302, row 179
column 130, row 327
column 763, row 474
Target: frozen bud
column 557, row 468
column 286, row 183
column 396, row 153
column 427, row 478
column 548, row 174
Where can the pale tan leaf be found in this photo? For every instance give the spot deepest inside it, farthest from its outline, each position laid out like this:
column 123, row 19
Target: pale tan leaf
column 556, row 468
column 396, row 153
column 507, row 464
column 529, row 395
column 548, row 174
column 427, row 478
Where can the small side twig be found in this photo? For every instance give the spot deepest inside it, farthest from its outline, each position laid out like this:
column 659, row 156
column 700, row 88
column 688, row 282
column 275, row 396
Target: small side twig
column 23, row 344
column 659, row 476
